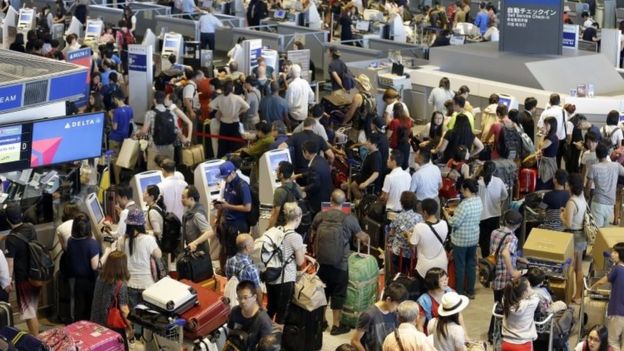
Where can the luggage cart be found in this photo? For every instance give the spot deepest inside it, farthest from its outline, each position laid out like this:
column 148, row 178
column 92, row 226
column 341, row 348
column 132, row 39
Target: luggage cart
column 599, row 295
column 158, row 332
column 544, row 327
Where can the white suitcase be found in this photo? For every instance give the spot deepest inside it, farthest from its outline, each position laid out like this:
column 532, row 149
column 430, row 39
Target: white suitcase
column 213, row 342
column 170, row 295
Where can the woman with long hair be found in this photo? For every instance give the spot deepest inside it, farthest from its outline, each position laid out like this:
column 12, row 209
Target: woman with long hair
column 400, row 133
column 447, row 330
column 547, row 153
column 597, row 339
column 461, row 134
column 573, row 218
column 110, row 286
column 519, row 305
column 441, row 94
column 433, row 131
column 140, row 248
column 155, row 210
column 492, row 191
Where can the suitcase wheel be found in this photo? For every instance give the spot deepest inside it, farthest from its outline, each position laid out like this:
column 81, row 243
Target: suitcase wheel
column 170, row 306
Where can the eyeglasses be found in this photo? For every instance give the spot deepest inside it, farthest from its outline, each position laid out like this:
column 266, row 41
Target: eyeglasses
column 244, row 298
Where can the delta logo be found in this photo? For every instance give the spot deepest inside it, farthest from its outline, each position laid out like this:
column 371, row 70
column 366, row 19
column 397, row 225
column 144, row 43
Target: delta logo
column 83, row 123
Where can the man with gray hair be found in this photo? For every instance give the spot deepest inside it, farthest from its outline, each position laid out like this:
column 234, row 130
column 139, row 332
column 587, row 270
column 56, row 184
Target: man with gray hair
column 299, row 96
column 241, row 265
column 406, row 336
column 278, row 130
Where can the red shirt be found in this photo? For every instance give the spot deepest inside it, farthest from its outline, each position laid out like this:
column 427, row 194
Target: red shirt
column 394, row 126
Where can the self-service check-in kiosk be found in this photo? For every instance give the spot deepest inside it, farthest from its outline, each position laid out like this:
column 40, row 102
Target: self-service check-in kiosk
column 173, row 44
column 140, row 182
column 26, row 21
column 268, row 182
column 508, row 100
column 208, row 183
column 93, row 31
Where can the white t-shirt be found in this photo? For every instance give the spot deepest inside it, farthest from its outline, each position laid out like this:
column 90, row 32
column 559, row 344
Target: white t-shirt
column 390, row 108
column 492, row 196
column 139, row 263
column 230, row 107
column 395, row 184
column 154, row 222
column 614, row 132
column 430, row 251
column 190, row 92
column 171, row 189
column 559, row 114
column 519, row 327
column 455, row 336
column 299, row 95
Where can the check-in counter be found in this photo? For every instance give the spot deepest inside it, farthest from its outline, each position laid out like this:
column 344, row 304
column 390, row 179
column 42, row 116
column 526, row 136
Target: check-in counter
column 188, row 28
column 313, row 39
column 224, row 37
column 412, row 50
column 349, row 53
column 146, row 14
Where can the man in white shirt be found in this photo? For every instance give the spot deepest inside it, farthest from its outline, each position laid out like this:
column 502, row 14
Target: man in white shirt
column 191, row 95
column 427, row 180
column 171, row 189
column 208, row 23
column 407, row 331
column 123, row 205
column 556, row 111
column 298, row 95
column 395, row 183
column 318, row 129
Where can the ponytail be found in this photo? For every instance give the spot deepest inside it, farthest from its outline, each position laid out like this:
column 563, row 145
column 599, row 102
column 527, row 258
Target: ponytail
column 488, row 171
column 513, row 293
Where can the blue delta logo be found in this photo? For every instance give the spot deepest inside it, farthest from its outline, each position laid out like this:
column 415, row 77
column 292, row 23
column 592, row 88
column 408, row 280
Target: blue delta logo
column 83, row 123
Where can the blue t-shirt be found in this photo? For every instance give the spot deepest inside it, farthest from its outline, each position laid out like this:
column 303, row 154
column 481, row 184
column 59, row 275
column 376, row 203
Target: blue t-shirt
column 122, row 116
column 79, row 253
column 616, row 302
column 236, row 192
column 273, row 108
column 482, row 21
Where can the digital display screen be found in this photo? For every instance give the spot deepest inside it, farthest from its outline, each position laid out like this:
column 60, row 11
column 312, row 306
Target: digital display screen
column 97, row 210
column 171, row 43
column 15, row 147
column 280, row 14
column 67, row 139
column 212, row 175
column 275, row 159
column 25, row 17
column 362, row 26
column 505, row 101
column 93, row 29
column 148, row 180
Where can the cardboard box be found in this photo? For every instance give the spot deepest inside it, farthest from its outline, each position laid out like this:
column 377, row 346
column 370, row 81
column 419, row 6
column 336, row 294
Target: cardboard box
column 549, row 245
column 606, row 238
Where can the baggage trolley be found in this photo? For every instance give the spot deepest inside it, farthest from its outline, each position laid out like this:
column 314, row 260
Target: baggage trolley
column 601, row 294
column 168, row 337
column 543, row 327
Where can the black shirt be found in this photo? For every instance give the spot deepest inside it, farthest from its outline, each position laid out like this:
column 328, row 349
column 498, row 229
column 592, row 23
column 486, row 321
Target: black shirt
column 338, row 66
column 590, row 33
column 371, row 164
column 526, row 120
column 296, row 148
column 18, row 250
column 262, row 327
column 345, row 29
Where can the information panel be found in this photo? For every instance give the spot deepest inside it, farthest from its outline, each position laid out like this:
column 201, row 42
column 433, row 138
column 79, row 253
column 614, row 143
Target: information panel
column 531, row 26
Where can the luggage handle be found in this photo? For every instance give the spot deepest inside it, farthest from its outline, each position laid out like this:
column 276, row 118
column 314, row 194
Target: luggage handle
column 359, row 252
column 311, row 262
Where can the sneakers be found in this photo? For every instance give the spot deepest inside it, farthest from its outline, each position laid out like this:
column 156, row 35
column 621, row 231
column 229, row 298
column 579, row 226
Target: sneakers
column 343, row 329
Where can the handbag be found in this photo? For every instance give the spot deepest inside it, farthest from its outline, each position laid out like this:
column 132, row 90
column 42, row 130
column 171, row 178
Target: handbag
column 309, row 292
column 128, row 154
column 193, row 155
column 487, row 265
column 114, row 318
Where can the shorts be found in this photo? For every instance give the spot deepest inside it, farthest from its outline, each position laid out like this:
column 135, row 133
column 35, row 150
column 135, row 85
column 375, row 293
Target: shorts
column 27, row 299
column 336, row 281
column 603, row 214
column 580, row 241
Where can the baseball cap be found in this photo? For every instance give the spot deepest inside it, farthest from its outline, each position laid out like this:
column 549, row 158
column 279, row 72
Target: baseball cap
column 226, row 169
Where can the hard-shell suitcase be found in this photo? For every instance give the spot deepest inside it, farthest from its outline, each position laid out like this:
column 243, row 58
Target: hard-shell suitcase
column 195, row 266
column 527, row 179
column 362, row 286
column 208, row 315
column 90, row 336
column 6, row 315
column 58, row 339
column 213, row 342
column 22, row 340
column 170, row 296
column 303, row 330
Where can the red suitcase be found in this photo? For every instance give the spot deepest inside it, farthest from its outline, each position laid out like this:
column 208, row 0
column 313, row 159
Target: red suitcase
column 527, row 180
column 90, row 336
column 209, row 315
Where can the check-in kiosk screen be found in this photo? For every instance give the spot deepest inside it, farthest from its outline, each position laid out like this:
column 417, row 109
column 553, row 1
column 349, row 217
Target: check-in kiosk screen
column 212, row 175
column 275, row 159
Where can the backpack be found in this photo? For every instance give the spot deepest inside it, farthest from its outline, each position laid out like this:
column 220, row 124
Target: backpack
column 509, row 143
column 328, row 242
column 306, row 214
column 254, row 215
column 366, row 113
column 268, row 254
column 164, row 132
column 606, row 138
column 40, row 263
column 528, row 147
column 171, row 231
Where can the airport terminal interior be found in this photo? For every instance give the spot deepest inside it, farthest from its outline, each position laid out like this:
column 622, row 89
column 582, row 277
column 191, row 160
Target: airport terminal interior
column 349, row 175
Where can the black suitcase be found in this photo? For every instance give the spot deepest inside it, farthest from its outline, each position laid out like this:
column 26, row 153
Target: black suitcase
column 195, row 266
column 303, row 330
column 6, row 315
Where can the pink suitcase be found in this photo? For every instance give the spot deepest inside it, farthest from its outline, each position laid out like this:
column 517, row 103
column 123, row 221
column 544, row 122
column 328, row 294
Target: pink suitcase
column 90, row 336
column 58, row 339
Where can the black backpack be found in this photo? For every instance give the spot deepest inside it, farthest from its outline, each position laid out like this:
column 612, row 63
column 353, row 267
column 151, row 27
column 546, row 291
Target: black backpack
column 509, row 143
column 40, row 263
column 171, row 231
column 164, row 132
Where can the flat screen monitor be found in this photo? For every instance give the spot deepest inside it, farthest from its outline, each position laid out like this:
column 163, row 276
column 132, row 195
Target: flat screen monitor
column 93, row 29
column 211, row 172
column 96, row 209
column 505, row 101
column 12, row 155
column 171, row 44
column 362, row 26
column 145, row 181
column 279, row 14
column 25, row 17
column 276, row 158
column 67, row 139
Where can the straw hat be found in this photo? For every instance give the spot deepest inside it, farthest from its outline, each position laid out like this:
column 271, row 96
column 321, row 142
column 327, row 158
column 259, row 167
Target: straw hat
column 452, row 303
column 364, row 81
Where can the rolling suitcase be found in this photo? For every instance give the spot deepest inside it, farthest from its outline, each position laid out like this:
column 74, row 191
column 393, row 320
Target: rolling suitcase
column 527, row 180
column 58, row 339
column 213, row 342
column 208, row 315
column 22, row 340
column 362, row 286
column 303, row 330
column 90, row 336
column 195, row 266
column 171, row 296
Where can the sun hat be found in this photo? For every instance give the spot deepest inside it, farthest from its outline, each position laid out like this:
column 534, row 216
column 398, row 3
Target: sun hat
column 364, row 81
column 452, row 303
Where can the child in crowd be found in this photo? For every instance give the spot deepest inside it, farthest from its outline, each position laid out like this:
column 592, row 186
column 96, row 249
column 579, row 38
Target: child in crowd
column 519, row 305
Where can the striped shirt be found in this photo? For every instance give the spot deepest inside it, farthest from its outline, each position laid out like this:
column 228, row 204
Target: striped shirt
column 465, row 222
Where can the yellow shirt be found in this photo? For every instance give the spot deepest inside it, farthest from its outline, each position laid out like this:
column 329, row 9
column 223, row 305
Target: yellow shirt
column 451, row 123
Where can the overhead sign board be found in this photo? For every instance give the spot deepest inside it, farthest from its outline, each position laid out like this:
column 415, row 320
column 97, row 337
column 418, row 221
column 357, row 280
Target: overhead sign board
column 531, row 26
